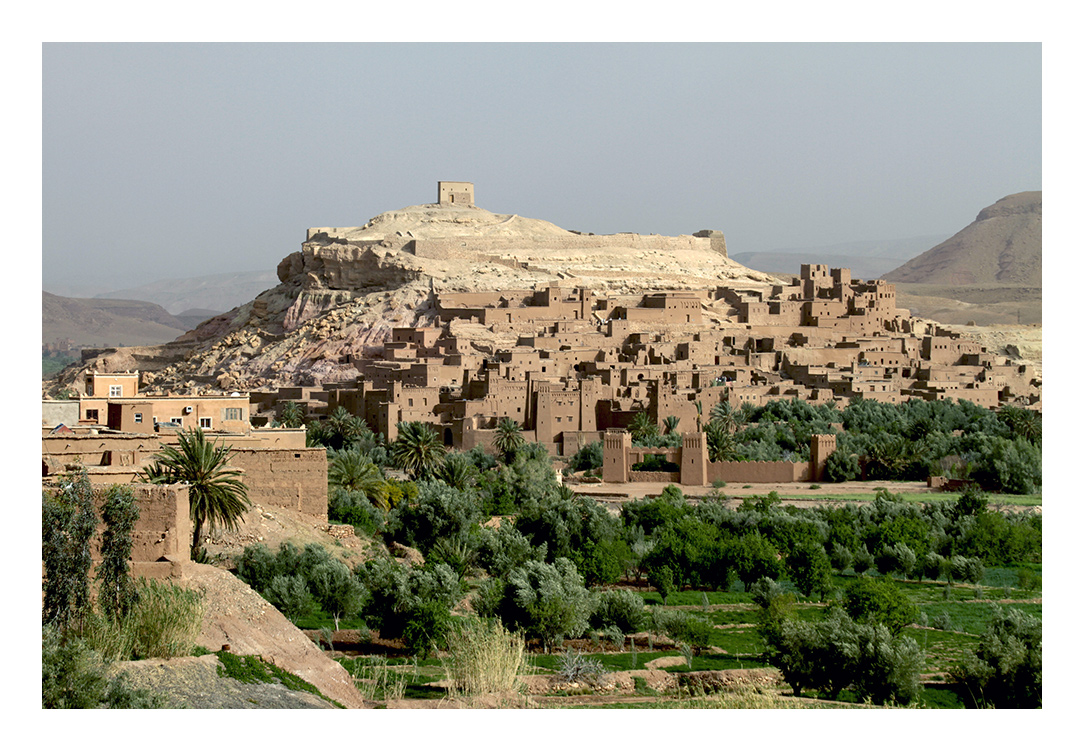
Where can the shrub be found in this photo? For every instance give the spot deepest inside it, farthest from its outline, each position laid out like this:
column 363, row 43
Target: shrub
column 871, row 601
column 74, row 676
column 1006, row 670
column 841, row 557
column 1011, row 466
column 752, row 557
column 483, row 657
column 587, row 457
column 427, row 625
column 681, row 626
column 655, row 463
column 504, row 548
column 395, row 593
column 896, row 558
column 116, row 592
column 164, row 622
column 68, row 524
column 335, row 588
column 863, row 561
column 943, row 622
column 575, row 667
column 842, row 467
column 290, row 594
column 619, row 608
column 440, row 511
column 933, row 566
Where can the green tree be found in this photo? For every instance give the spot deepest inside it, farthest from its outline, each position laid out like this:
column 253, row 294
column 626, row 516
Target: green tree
column 216, row 495
column 336, row 589
column 458, row 471
column 876, row 601
column 1006, row 671
column 811, row 570
column 752, row 557
column 548, row 601
column 418, row 450
column 508, row 438
column 670, row 424
column 398, row 595
column 68, row 525
column 117, row 593
column 725, row 416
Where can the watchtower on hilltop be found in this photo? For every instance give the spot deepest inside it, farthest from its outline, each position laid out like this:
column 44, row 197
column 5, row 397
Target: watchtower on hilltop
column 455, row 193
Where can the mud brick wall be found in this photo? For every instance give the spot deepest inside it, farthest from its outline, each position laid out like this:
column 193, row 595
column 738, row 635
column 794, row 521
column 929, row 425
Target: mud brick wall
column 758, row 472
column 295, row 479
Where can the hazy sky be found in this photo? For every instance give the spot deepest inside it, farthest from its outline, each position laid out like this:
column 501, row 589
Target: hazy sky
column 177, row 160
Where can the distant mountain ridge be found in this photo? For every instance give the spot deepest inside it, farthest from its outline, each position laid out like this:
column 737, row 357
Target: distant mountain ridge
column 1001, row 247
column 90, row 322
column 213, row 293
column 867, row 259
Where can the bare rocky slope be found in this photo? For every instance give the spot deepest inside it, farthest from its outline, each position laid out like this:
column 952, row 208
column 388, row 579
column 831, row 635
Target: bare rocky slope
column 1002, row 247
column 348, row 287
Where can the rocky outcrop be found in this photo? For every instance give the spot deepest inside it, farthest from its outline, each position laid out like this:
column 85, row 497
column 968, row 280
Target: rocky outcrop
column 345, row 290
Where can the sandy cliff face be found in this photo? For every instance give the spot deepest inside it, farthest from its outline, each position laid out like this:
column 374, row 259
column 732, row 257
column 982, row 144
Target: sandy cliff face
column 345, row 290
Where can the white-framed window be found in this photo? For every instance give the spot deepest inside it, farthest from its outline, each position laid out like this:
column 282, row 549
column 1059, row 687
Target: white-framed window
column 115, row 391
column 205, row 422
column 138, row 417
column 231, row 413
column 176, row 421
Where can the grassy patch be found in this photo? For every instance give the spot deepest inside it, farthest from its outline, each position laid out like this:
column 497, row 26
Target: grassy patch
column 251, row 669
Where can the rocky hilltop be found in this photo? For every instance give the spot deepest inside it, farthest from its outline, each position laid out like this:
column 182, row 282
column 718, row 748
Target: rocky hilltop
column 1002, row 247
column 345, row 290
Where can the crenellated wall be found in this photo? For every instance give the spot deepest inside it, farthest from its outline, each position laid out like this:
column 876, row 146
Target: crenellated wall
column 619, row 456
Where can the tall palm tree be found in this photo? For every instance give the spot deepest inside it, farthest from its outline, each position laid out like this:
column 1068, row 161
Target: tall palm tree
column 509, row 438
column 670, row 424
column 292, row 415
column 643, row 427
column 216, row 495
column 418, row 450
column 721, row 444
column 724, row 413
column 457, row 471
column 353, row 470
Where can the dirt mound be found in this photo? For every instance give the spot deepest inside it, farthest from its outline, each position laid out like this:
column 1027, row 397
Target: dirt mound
column 274, row 526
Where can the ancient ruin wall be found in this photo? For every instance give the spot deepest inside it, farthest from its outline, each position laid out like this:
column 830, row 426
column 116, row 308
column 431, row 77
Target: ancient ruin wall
column 466, row 248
